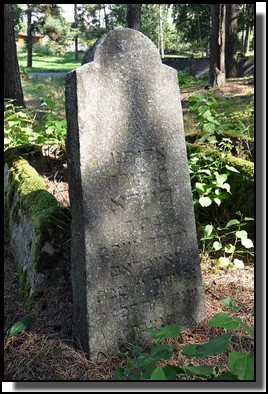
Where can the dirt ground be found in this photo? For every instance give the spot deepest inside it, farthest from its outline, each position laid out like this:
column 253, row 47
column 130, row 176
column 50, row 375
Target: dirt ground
column 46, row 351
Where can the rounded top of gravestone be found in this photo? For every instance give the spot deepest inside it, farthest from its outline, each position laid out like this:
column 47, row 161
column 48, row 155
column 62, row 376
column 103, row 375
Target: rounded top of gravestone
column 123, row 46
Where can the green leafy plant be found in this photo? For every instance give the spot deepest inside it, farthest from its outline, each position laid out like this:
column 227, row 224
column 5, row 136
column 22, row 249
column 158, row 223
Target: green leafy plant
column 230, row 243
column 147, row 366
column 23, row 126
column 52, row 126
column 230, row 132
column 209, row 180
column 19, row 326
column 18, row 126
column 185, row 79
column 230, row 303
column 206, row 116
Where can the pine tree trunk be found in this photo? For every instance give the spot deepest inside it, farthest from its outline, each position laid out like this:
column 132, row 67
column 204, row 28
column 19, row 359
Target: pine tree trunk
column 76, row 53
column 134, row 16
column 12, row 82
column 29, row 40
column 217, row 45
column 231, row 40
column 246, row 42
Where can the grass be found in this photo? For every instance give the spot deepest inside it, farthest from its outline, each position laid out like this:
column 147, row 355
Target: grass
column 42, row 87
column 48, row 63
column 233, row 107
column 235, row 104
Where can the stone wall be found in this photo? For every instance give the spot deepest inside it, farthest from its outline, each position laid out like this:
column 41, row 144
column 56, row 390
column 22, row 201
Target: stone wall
column 199, row 68
column 33, row 225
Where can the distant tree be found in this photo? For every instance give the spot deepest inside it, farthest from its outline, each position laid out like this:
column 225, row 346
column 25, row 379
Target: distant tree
column 246, row 19
column 192, row 21
column 150, row 22
column 29, row 39
column 231, row 40
column 12, row 82
column 17, row 12
column 75, row 26
column 134, row 16
column 217, row 45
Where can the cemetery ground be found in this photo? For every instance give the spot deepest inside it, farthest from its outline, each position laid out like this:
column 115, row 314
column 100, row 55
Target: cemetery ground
column 46, row 351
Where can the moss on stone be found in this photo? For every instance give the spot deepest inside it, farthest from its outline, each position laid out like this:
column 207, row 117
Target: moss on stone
column 39, row 205
column 25, row 288
column 24, row 284
column 21, row 151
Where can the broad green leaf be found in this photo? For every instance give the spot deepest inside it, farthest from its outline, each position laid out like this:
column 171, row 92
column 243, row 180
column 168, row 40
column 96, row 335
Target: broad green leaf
column 134, row 376
column 221, row 178
column 239, row 263
column 210, row 127
column 147, row 372
column 143, row 359
column 217, row 345
column 212, row 140
column 203, row 371
column 223, row 261
column 205, row 201
column 200, row 187
column 217, row 201
column 208, row 172
column 130, row 364
column 119, row 374
column 232, row 222
column 231, row 168
column 171, row 331
column 226, row 376
column 208, row 230
column 247, row 243
column 159, row 352
column 158, row 374
column 242, row 234
column 224, row 321
column 227, row 187
column 21, row 114
column 246, row 327
column 217, row 245
column 171, row 372
column 242, row 365
column 197, row 96
column 20, row 326
column 136, row 351
column 230, row 303
column 229, row 248
column 12, row 123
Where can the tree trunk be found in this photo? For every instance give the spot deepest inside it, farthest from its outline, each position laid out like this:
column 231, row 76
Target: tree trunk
column 217, row 45
column 106, row 18
column 231, row 40
column 134, row 16
column 161, row 32
column 29, row 40
column 246, row 42
column 12, row 82
column 76, row 53
column 243, row 29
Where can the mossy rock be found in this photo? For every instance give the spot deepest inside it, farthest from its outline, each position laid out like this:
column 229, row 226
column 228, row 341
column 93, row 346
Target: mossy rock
column 27, row 197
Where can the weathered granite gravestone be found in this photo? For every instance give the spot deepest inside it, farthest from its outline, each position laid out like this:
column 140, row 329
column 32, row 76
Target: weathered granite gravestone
column 135, row 260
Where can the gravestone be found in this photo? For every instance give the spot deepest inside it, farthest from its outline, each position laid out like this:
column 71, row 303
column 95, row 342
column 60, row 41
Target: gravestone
column 135, row 261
